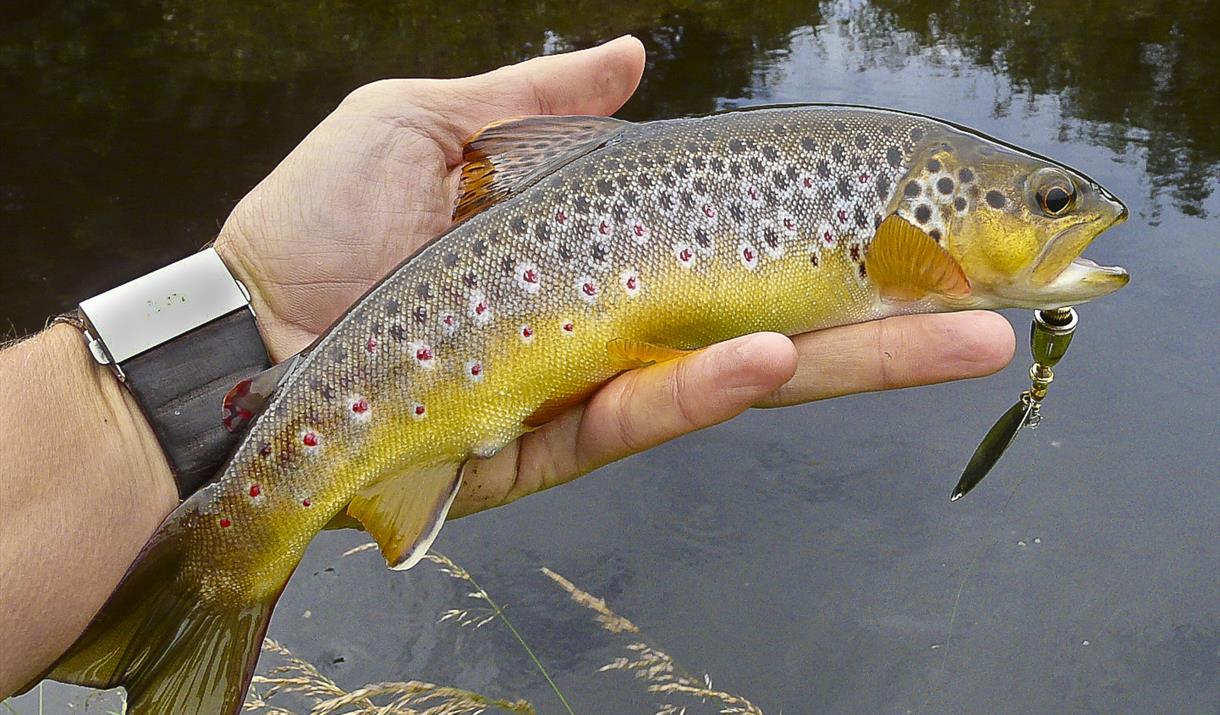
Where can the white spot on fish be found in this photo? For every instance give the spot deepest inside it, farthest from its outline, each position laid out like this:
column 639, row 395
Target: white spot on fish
column 587, row 289
column 748, row 255
column 529, row 279
column 449, row 324
column 630, row 281
column 478, row 309
column 639, row 231
column 418, row 411
column 685, row 254
column 423, row 355
column 359, row 409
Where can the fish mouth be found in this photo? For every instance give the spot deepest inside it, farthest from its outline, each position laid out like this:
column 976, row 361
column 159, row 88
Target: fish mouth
column 1068, row 278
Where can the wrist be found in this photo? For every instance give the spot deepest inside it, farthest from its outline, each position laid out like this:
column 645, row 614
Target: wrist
column 282, row 337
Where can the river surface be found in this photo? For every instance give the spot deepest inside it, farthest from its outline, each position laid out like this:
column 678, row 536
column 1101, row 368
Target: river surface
column 807, row 559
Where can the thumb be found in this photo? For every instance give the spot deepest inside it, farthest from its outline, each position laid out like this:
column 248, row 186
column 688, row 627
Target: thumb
column 598, row 81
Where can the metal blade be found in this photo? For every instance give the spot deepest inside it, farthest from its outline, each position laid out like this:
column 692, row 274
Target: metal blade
column 993, row 446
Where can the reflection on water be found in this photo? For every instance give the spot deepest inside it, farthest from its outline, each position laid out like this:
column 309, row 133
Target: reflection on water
column 820, row 537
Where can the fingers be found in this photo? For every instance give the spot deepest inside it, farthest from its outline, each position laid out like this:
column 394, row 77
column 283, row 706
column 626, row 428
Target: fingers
column 643, row 408
column 598, row 80
column 896, row 352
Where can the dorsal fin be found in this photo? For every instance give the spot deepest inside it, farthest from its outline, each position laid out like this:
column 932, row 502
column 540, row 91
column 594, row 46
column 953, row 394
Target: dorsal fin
column 249, row 397
column 507, row 156
column 905, row 263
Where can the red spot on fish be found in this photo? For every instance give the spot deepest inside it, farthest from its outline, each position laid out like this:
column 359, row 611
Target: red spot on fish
column 807, row 182
column 753, row 191
column 813, row 258
column 747, row 254
column 685, row 255
column 639, row 229
column 480, row 308
column 306, row 503
column 789, row 224
column 360, row 406
column 842, row 214
column 310, row 439
column 527, row 331
column 827, row 236
column 476, row 369
column 371, row 345
column 419, row 410
column 530, row 276
column 423, row 354
column 265, row 449
column 632, row 283
column 589, row 289
column 569, row 327
column 448, row 320
column 255, row 490
column 225, row 523
column 235, row 411
column 709, row 211
column 863, row 177
column 604, row 228
column 560, row 216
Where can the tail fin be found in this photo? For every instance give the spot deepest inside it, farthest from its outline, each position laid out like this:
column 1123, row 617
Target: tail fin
column 172, row 651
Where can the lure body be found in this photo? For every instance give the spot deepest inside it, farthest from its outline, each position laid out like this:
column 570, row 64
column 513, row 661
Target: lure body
column 607, row 245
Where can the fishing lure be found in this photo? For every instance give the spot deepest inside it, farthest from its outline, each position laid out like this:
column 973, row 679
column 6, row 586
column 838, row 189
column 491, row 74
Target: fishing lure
column 1050, row 334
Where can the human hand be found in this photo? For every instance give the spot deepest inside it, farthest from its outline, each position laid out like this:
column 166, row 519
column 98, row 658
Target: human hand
column 378, row 178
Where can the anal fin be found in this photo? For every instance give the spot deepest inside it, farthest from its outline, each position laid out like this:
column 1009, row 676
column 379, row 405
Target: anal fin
column 405, row 513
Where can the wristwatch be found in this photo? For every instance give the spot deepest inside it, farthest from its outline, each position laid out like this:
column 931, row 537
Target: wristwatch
column 179, row 338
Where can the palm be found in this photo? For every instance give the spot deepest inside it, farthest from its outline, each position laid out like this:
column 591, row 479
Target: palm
column 378, row 178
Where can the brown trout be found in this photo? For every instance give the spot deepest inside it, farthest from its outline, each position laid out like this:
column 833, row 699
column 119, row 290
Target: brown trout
column 584, row 246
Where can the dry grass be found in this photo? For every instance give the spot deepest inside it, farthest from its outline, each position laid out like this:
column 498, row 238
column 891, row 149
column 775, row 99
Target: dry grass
column 663, row 675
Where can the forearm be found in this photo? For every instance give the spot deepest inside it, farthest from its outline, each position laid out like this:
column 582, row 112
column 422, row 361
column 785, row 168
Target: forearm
column 83, row 484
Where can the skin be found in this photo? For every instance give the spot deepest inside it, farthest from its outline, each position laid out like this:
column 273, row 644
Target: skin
column 369, row 185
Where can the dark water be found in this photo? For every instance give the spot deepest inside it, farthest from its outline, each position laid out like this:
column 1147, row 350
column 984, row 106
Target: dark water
column 808, row 559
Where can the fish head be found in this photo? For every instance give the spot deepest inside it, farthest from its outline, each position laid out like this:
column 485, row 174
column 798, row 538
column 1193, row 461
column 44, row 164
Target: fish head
column 1016, row 223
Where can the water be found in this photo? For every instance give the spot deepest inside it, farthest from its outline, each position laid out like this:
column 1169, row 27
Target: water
column 809, row 558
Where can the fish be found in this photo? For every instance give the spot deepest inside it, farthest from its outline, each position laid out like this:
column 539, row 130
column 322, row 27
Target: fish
column 582, row 247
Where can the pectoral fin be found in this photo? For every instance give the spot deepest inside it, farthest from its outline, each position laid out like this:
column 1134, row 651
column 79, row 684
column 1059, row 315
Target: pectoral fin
column 905, row 263
column 405, row 513
column 248, row 398
column 628, row 354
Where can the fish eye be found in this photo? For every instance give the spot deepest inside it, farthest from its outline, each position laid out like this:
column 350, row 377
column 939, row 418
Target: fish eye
column 1056, row 199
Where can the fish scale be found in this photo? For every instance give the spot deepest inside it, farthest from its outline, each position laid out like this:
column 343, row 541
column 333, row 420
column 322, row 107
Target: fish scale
column 586, row 246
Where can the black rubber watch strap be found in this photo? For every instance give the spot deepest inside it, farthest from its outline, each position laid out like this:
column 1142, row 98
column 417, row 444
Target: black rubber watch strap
column 180, row 385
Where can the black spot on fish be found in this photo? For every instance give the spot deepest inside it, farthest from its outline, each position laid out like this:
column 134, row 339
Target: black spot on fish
column 933, row 165
column 770, row 152
column 877, row 221
column 699, row 185
column 736, row 169
column 736, row 146
column 770, row 197
column 471, row 280
column 391, row 307
column 629, row 163
column 861, row 217
column 965, row 175
column 960, row 203
column 421, row 314
column 631, row 197
column 598, row 252
column 838, row 153
column 565, row 252
column 813, row 258
column 935, row 234
column 922, row 213
column 862, row 141
column 517, row 224
column 582, row 204
column 808, row 144
column 844, row 186
column 623, row 180
column 756, row 166
column 398, row 332
column 376, row 327
column 863, row 271
column 604, row 187
column 618, row 213
column 681, row 169
column 839, row 125
column 699, row 162
column 542, row 232
column 737, row 212
column 423, row 290
column 479, row 247
column 995, row 199
column 717, row 164
column 508, row 266
column 944, row 185
column 883, row 187
column 338, row 354
column 912, row 189
column 823, row 169
column 646, row 162
column 771, row 237
column 887, row 130
column 668, row 144
column 916, row 134
column 692, row 147
column 688, row 201
column 644, row 181
column 780, row 179
column 666, row 201
column 894, row 157
column 702, row 238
